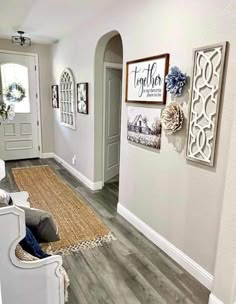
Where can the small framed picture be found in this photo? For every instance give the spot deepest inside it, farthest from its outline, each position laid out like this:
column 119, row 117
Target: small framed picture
column 55, row 97
column 82, row 98
column 144, row 126
column 145, row 80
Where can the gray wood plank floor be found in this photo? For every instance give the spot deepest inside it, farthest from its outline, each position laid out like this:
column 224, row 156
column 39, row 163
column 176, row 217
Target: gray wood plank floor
column 130, row 270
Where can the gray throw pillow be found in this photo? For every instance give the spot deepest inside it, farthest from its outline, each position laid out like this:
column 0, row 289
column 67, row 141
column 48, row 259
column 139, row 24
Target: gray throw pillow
column 41, row 224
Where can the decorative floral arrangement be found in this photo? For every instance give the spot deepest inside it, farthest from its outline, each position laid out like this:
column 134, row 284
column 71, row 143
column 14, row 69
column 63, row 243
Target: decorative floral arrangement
column 172, row 118
column 175, row 81
column 15, row 92
column 6, row 112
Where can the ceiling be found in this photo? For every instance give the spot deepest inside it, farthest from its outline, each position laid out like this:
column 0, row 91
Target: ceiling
column 46, row 21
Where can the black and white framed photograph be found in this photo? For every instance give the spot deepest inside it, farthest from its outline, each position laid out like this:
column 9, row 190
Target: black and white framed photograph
column 144, row 126
column 55, row 97
column 145, row 80
column 82, row 98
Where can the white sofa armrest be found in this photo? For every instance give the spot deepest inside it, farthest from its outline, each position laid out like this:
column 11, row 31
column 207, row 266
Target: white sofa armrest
column 20, row 198
column 37, row 282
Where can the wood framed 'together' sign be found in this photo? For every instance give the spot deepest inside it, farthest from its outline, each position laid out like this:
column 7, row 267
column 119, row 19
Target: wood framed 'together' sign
column 145, row 79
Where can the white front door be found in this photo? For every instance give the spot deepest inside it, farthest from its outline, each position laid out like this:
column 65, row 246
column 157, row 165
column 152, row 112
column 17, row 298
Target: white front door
column 113, row 91
column 19, row 138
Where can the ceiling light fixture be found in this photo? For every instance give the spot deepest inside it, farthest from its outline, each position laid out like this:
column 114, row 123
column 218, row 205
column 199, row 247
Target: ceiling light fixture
column 21, row 40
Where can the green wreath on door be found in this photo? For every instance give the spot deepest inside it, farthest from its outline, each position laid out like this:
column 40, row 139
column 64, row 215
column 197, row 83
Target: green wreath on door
column 15, row 92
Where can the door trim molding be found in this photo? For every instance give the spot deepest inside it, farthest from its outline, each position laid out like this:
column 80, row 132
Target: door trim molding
column 106, row 65
column 38, row 99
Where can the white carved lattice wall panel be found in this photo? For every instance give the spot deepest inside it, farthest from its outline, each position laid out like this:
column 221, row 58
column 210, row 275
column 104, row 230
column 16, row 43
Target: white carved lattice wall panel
column 208, row 68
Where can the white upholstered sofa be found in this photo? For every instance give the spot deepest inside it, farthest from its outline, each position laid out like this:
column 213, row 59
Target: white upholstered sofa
column 34, row 282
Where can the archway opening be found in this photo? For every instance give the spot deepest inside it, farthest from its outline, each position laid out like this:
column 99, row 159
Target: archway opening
column 107, row 106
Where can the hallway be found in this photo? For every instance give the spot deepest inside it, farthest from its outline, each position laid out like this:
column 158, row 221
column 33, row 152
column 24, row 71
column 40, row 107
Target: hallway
column 130, row 270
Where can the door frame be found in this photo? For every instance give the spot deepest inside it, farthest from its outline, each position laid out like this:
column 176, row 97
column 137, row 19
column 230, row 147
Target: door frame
column 38, row 97
column 107, row 65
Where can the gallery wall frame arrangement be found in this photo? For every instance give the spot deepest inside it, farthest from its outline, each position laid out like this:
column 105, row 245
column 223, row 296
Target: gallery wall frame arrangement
column 55, row 96
column 204, row 107
column 82, row 98
column 145, row 80
column 144, row 126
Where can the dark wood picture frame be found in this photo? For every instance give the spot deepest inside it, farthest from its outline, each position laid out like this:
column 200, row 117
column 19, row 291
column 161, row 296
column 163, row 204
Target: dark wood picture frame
column 82, row 97
column 55, row 96
column 166, row 57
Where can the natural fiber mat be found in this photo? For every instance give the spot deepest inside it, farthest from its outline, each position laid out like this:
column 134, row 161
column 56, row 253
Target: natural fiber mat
column 79, row 227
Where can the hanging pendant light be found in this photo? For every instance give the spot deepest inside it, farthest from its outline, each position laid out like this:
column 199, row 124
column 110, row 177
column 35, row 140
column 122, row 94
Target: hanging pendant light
column 21, row 40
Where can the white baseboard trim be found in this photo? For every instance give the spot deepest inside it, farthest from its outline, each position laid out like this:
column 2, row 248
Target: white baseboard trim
column 214, row 300
column 177, row 255
column 47, row 155
column 91, row 185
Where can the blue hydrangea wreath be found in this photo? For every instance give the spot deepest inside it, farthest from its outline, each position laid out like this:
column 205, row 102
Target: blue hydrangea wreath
column 175, row 81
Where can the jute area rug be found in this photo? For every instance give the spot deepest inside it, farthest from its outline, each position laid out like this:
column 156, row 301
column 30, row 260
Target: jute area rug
column 79, row 227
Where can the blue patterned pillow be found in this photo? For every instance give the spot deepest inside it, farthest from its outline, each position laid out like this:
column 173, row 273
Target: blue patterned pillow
column 31, row 245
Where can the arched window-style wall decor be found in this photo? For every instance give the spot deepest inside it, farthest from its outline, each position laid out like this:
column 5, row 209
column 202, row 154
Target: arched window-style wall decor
column 67, row 99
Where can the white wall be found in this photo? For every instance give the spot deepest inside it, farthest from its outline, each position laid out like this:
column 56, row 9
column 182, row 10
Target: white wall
column 45, row 78
column 178, row 199
column 225, row 269
column 78, row 55
column 0, row 294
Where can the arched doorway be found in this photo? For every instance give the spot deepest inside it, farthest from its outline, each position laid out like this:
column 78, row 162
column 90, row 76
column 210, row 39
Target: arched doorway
column 108, row 100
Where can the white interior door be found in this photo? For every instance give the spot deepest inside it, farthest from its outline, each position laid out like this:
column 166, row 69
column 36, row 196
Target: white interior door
column 113, row 91
column 19, row 138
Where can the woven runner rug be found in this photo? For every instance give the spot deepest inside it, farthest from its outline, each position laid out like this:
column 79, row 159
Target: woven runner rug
column 79, row 227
